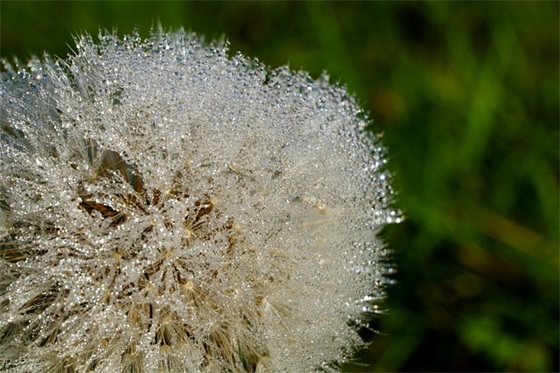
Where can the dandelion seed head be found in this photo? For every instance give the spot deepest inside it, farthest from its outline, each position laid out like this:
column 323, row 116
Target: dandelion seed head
column 167, row 208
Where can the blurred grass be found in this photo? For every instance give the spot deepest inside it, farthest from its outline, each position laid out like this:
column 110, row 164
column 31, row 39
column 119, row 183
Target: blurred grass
column 467, row 96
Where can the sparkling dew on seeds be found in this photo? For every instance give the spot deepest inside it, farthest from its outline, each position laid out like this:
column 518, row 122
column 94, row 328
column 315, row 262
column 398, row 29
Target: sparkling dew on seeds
column 167, row 208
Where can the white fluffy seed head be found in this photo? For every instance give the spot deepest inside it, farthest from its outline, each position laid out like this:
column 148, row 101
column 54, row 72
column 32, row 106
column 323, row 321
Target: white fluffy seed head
column 167, row 208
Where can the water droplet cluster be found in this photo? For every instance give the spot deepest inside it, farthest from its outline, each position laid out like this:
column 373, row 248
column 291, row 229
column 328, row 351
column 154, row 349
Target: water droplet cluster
column 167, row 208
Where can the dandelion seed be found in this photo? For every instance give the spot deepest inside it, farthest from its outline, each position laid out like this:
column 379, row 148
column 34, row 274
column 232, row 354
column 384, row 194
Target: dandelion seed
column 167, row 208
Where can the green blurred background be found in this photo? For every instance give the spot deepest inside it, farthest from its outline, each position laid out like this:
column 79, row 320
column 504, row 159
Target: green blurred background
column 467, row 97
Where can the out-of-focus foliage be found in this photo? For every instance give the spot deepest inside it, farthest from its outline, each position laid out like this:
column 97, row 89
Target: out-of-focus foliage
column 467, row 95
